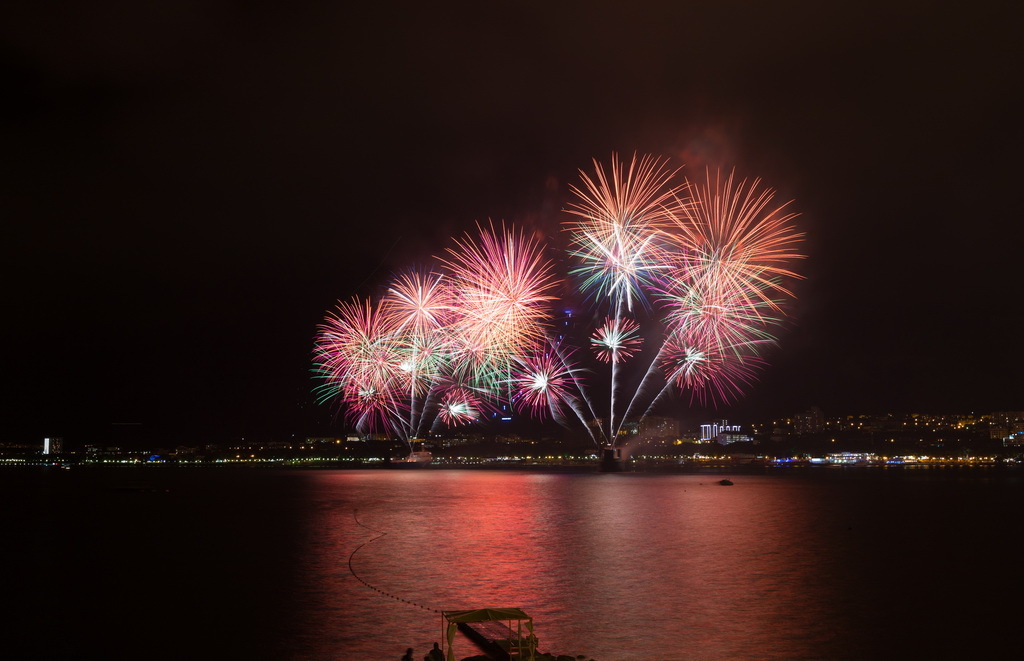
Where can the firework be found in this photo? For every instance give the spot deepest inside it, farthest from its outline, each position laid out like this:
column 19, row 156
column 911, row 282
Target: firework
column 420, row 303
column 711, row 373
column 730, row 232
column 543, row 382
column 502, row 286
column 458, row 407
column 616, row 340
column 705, row 309
column 420, row 309
column 615, row 239
column 706, row 264
column 712, row 257
column 357, row 357
column 438, row 344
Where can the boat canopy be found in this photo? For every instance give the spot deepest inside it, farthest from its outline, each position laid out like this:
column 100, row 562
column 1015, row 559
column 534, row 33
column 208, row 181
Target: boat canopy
column 508, row 615
column 488, row 614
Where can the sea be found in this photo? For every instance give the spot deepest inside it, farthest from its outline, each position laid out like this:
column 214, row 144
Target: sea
column 809, row 563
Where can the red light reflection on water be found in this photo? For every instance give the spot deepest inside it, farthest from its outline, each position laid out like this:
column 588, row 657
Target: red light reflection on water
column 612, row 566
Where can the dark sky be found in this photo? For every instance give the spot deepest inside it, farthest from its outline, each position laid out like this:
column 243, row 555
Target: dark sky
column 186, row 187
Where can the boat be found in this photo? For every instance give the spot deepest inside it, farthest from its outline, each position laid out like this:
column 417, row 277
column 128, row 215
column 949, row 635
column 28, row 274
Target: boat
column 500, row 633
column 417, row 457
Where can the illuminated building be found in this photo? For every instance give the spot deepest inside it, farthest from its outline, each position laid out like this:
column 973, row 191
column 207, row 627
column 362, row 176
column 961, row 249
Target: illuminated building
column 1008, row 427
column 53, row 445
column 811, row 421
column 715, row 430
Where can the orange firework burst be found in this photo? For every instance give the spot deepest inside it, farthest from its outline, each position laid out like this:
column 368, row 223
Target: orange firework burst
column 730, row 232
column 615, row 239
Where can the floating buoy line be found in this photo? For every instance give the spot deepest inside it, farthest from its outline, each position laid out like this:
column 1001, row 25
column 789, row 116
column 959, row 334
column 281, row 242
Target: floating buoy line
column 352, row 570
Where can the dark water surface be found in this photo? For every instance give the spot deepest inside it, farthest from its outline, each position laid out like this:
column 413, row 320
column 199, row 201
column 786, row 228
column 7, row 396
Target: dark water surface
column 254, row 564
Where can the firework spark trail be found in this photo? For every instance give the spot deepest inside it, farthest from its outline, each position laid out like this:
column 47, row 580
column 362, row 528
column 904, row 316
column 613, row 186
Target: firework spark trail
column 575, row 397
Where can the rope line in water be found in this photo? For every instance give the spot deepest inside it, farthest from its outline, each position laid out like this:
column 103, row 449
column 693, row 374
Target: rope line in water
column 352, row 570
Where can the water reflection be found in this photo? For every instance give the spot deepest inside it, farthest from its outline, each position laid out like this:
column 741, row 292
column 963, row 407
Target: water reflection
column 612, row 566
column 254, row 564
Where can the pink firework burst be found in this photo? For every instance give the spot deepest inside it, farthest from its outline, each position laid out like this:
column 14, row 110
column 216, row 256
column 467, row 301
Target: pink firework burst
column 616, row 340
column 699, row 304
column 459, row 406
column 422, row 312
column 420, row 303
column 542, row 382
column 502, row 285
column 358, row 357
column 711, row 375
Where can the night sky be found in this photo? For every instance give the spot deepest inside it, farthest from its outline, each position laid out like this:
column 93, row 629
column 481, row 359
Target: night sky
column 186, row 187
